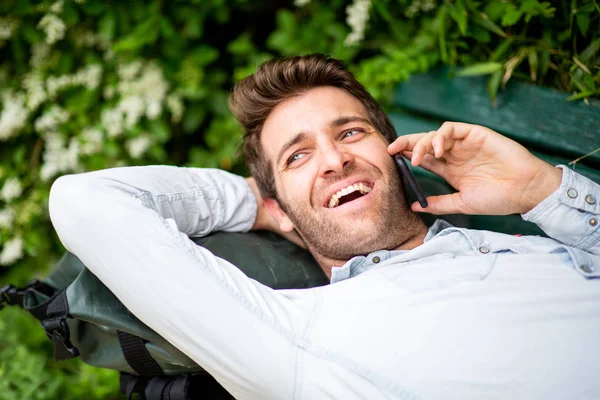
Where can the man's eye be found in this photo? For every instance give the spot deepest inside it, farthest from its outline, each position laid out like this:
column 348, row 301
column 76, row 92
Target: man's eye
column 295, row 157
column 351, row 132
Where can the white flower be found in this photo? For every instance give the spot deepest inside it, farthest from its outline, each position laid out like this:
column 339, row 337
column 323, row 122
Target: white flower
column 136, row 147
column 34, row 86
column 54, row 28
column 8, row 26
column 7, row 217
column 11, row 190
column 133, row 109
column 57, row 7
column 57, row 157
column 109, row 92
column 11, row 251
column 51, row 119
column 301, row 3
column 39, row 53
column 91, row 39
column 112, row 120
column 89, row 77
column 153, row 109
column 358, row 16
column 92, row 139
column 128, row 72
column 176, row 107
column 14, row 114
column 146, row 82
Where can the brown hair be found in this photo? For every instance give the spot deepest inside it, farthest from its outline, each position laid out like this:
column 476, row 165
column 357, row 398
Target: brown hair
column 253, row 98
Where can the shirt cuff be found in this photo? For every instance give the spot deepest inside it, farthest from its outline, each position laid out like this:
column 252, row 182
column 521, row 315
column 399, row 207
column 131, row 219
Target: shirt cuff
column 571, row 214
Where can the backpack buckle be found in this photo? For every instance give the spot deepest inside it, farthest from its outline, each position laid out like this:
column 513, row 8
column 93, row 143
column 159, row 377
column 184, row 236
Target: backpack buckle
column 12, row 295
column 7, row 295
column 58, row 331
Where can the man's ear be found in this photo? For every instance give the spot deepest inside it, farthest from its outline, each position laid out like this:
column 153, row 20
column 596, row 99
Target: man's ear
column 273, row 208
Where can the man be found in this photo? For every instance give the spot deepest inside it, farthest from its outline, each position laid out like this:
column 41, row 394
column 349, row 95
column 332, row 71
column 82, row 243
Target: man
column 411, row 312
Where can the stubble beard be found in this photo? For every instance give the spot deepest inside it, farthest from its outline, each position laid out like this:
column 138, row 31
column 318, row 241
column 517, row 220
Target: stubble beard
column 392, row 224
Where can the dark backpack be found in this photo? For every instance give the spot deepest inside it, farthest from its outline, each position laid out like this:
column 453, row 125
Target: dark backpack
column 85, row 319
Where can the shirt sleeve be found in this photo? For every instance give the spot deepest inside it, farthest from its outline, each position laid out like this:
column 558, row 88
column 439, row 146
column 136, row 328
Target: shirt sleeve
column 571, row 214
column 131, row 227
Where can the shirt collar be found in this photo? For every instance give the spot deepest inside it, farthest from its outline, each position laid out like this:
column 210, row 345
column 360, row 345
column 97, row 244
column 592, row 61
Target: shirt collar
column 359, row 264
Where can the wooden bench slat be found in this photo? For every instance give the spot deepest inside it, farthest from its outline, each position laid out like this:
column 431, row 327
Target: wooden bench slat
column 537, row 117
column 406, row 123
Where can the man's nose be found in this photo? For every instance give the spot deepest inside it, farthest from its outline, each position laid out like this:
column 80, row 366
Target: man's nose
column 334, row 159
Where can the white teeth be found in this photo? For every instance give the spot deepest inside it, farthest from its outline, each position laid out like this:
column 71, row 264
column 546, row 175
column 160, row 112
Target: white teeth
column 335, row 199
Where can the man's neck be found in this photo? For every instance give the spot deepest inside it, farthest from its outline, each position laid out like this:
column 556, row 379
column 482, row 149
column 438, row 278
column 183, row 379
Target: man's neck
column 414, row 240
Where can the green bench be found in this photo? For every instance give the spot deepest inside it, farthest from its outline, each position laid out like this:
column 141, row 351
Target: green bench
column 539, row 118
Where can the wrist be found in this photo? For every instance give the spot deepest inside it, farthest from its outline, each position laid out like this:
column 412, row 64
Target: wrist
column 546, row 182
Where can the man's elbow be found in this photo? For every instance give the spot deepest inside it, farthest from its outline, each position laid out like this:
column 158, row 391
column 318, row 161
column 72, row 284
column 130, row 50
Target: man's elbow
column 71, row 202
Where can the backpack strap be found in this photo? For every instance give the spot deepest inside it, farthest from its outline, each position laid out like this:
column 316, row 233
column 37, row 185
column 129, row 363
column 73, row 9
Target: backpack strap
column 137, row 355
column 11, row 295
column 52, row 311
column 57, row 329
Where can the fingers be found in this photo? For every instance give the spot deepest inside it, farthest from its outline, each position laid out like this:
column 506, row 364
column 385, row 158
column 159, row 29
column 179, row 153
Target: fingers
column 404, row 143
column 444, row 204
column 430, row 163
column 435, row 143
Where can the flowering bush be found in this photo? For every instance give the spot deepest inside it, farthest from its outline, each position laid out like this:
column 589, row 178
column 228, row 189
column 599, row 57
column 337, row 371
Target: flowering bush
column 90, row 84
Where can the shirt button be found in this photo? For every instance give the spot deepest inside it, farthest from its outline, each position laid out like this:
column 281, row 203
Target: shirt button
column 588, row 268
column 572, row 193
column 484, row 249
column 376, row 259
column 590, row 199
column 593, row 222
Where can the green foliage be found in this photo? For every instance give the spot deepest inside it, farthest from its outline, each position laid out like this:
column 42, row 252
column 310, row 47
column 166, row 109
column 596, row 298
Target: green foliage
column 90, row 84
column 27, row 370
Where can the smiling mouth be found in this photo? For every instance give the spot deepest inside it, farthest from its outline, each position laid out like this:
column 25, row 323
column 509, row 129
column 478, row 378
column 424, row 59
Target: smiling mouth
column 348, row 194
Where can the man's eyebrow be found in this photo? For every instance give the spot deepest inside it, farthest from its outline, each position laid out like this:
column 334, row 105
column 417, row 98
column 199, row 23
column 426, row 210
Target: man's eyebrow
column 347, row 119
column 296, row 139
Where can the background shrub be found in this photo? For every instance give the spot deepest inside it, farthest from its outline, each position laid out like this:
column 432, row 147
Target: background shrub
column 95, row 84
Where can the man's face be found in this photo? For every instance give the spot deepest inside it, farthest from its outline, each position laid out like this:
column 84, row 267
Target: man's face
column 336, row 183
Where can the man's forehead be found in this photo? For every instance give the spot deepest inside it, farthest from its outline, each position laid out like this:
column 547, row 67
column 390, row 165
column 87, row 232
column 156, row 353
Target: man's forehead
column 315, row 110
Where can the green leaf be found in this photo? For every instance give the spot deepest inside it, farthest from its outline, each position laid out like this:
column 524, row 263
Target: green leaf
column 459, row 15
column 160, row 130
column 511, row 15
column 591, row 51
column 204, row 55
column 483, row 20
column 493, row 85
column 582, row 95
column 480, row 69
column 32, row 35
column 193, row 117
column 583, row 22
column 532, row 58
column 166, row 28
column 501, row 50
column 107, row 26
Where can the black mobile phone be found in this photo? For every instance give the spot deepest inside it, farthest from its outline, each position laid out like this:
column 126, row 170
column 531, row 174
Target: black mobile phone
column 412, row 182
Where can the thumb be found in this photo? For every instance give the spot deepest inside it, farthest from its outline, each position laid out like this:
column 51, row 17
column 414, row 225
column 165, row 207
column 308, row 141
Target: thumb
column 444, row 204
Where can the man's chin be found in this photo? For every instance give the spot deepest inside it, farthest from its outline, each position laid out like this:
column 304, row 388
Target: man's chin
column 349, row 242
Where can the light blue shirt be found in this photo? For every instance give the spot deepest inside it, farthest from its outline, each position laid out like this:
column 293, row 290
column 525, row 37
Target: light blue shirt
column 466, row 315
